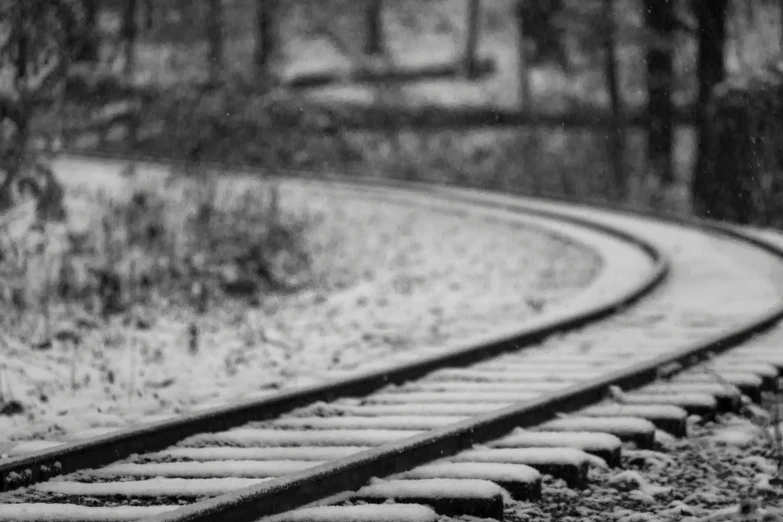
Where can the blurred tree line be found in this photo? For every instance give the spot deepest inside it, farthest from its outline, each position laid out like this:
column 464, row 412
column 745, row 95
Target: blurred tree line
column 54, row 50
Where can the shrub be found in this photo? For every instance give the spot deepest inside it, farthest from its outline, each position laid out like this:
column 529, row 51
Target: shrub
column 185, row 244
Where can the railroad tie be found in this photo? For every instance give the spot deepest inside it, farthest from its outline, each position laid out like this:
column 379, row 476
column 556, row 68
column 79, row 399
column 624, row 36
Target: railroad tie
column 400, row 422
column 602, row 445
column 245, row 437
column 700, row 404
column 728, row 397
column 522, row 482
column 749, row 384
column 363, row 513
column 668, row 418
column 450, row 397
column 210, row 453
column 450, row 497
column 568, row 464
column 201, row 470
column 531, row 375
column 56, row 512
column 628, row 429
column 422, row 408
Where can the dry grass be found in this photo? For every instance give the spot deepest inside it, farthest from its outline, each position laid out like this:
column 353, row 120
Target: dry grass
column 186, row 244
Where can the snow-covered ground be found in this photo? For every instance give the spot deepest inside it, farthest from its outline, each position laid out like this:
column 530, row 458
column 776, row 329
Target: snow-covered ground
column 389, row 277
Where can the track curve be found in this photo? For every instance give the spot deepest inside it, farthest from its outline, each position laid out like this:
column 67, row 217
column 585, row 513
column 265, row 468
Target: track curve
column 695, row 335
column 109, row 448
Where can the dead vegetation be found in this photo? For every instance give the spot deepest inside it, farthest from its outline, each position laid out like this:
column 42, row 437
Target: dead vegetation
column 186, row 244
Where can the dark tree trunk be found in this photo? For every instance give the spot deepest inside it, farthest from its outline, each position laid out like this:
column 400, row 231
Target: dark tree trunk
column 215, row 35
column 617, row 141
column 711, row 15
column 659, row 18
column 265, row 36
column 471, row 39
column 129, row 35
column 149, row 15
column 87, row 44
column 374, row 44
column 538, row 18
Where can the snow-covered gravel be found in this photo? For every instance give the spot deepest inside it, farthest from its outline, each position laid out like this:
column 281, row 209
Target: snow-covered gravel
column 390, row 277
column 703, row 477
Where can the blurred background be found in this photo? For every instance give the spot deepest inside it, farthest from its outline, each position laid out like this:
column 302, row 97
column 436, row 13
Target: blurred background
column 667, row 105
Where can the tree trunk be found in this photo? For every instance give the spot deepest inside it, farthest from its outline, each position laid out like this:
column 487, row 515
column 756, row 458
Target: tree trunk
column 711, row 15
column 659, row 18
column 528, row 135
column 266, row 37
column 129, row 36
column 374, row 21
column 149, row 15
column 215, row 35
column 471, row 38
column 617, row 143
column 88, row 46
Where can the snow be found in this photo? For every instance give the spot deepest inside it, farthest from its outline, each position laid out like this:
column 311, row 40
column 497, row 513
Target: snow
column 532, row 374
column 360, row 423
column 421, row 408
column 431, row 489
column 735, row 378
column 155, row 487
column 733, row 365
column 450, row 397
column 361, row 513
column 702, row 400
column 528, row 456
column 392, row 277
column 74, row 513
column 510, row 386
column 505, row 475
column 305, row 453
column 615, row 425
column 585, row 441
column 260, row 437
column 31, row 447
column 213, row 469
column 645, row 411
column 673, row 388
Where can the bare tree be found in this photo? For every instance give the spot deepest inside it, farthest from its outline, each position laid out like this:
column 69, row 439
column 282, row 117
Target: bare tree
column 617, row 138
column 266, row 36
column 711, row 16
column 471, row 39
column 660, row 21
column 374, row 13
column 129, row 33
column 34, row 59
column 89, row 44
column 215, row 36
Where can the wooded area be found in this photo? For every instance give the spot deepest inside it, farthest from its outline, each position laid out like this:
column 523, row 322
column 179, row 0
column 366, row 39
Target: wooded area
column 78, row 42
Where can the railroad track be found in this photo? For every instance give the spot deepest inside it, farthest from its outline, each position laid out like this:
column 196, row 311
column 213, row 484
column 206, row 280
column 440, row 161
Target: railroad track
column 417, row 425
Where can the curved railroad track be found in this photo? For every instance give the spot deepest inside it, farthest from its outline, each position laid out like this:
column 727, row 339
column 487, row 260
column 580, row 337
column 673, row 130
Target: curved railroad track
column 707, row 288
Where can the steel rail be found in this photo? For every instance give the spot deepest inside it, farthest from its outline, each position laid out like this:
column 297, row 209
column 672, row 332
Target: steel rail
column 101, row 450
column 296, row 490
column 286, row 493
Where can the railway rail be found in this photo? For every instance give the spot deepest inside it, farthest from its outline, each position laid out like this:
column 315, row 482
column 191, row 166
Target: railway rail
column 445, row 433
